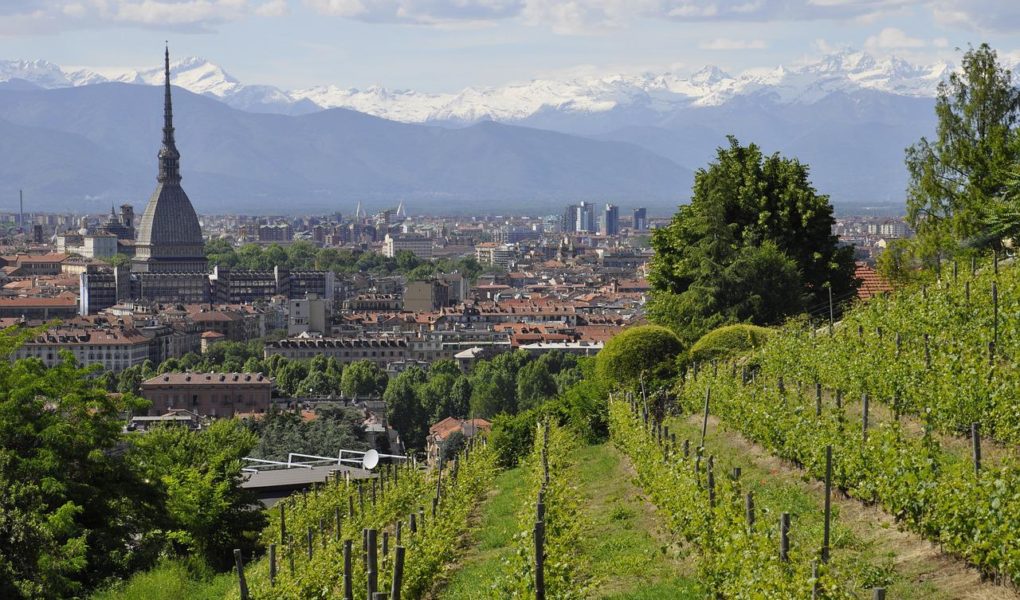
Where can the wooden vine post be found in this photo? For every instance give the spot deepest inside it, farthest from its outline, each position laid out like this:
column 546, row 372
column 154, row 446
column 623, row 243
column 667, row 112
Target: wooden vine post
column 348, row 572
column 539, row 560
column 975, row 436
column 828, row 504
column 704, row 422
column 272, row 565
column 239, row 563
column 398, row 573
column 864, row 419
column 784, row 537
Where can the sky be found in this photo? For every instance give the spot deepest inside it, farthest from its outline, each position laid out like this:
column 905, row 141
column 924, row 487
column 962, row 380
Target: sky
column 446, row 45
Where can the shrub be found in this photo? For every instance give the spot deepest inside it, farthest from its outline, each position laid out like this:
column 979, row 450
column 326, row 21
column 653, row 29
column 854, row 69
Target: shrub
column 645, row 349
column 728, row 342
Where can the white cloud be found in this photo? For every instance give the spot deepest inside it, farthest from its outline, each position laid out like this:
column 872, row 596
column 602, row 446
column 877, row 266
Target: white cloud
column 272, row 8
column 731, row 44
column 892, row 38
column 980, row 15
column 562, row 16
column 41, row 16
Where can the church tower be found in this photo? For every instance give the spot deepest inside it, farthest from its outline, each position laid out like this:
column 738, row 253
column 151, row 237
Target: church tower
column 169, row 237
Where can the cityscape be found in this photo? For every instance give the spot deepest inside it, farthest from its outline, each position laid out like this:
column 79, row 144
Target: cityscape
column 524, row 340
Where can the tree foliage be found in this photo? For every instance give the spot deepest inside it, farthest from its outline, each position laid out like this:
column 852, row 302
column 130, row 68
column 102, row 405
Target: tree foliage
column 956, row 178
column 206, row 512
column 304, row 255
column 362, row 379
column 72, row 511
column 755, row 244
column 281, row 432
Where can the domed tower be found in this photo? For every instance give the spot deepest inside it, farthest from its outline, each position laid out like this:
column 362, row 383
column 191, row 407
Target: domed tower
column 169, row 238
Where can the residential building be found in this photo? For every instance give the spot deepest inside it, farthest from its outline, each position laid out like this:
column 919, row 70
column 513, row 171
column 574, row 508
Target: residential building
column 61, row 306
column 441, row 431
column 309, row 315
column 208, row 394
column 344, row 350
column 426, row 296
column 418, row 245
column 497, row 255
column 114, row 348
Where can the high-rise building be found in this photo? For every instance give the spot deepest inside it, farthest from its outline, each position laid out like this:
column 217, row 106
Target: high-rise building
column 609, row 222
column 586, row 219
column 169, row 235
column 570, row 219
column 640, row 219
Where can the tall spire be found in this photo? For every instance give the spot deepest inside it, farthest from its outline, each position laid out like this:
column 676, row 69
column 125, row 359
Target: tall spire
column 169, row 157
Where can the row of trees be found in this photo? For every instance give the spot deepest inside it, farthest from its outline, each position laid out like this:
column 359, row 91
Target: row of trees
column 305, row 255
column 320, row 376
column 509, row 383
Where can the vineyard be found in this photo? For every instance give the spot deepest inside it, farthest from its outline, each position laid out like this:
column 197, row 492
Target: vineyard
column 871, row 459
column 403, row 541
column 892, row 391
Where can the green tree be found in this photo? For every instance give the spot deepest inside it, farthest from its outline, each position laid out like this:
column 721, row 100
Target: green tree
column 956, row 178
column 535, row 384
column 290, row 375
column 207, row 512
column 318, row 383
column 72, row 510
column 898, row 263
column 404, row 409
column 363, row 378
column 493, row 389
column 749, row 215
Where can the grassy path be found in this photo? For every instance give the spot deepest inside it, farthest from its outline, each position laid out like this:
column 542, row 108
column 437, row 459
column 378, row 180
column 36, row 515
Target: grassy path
column 630, row 557
column 625, row 548
column 908, row 565
column 490, row 539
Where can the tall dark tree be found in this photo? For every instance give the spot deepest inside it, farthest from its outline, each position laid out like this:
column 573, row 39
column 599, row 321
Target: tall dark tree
column 957, row 178
column 754, row 222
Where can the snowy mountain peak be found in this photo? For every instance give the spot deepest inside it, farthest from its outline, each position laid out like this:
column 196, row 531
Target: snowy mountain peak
column 39, row 72
column 709, row 75
column 846, row 71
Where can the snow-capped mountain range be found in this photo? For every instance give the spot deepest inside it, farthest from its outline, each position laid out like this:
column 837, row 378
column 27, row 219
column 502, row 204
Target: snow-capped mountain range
column 848, row 115
column 659, row 93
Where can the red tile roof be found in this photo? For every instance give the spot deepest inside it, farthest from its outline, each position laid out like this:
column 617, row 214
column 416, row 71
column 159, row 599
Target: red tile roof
column 872, row 284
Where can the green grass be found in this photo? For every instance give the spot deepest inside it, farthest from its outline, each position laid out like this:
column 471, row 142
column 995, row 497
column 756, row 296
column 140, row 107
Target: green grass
column 490, row 540
column 627, row 558
column 170, row 579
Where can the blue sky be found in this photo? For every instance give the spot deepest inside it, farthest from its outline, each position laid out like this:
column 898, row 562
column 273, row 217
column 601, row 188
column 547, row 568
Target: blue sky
column 445, row 45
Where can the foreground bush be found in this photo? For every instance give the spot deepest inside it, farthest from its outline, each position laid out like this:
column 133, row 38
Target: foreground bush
column 728, row 342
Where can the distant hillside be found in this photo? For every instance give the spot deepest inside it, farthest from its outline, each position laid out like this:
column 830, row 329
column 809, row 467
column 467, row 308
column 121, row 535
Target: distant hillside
column 83, row 148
